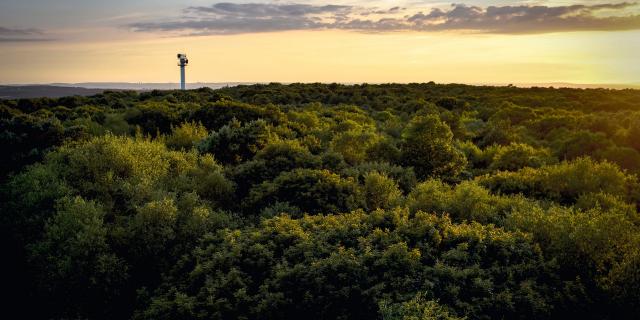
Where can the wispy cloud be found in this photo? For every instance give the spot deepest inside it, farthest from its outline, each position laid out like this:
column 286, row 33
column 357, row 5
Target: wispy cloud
column 234, row 18
column 21, row 35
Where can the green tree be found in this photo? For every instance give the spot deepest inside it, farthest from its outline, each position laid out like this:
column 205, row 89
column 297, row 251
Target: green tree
column 186, row 136
column 428, row 147
column 76, row 262
column 237, row 142
column 321, row 266
column 312, row 191
column 519, row 155
column 380, row 192
column 565, row 182
column 354, row 144
column 418, row 308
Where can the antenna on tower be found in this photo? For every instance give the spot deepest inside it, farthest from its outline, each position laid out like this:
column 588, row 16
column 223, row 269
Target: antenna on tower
column 183, row 62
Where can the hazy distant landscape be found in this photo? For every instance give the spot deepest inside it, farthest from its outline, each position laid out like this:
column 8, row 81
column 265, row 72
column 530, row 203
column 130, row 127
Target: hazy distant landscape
column 148, row 86
column 57, row 90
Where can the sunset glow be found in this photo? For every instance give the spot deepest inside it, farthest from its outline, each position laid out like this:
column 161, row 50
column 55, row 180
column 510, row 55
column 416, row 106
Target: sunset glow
column 112, row 48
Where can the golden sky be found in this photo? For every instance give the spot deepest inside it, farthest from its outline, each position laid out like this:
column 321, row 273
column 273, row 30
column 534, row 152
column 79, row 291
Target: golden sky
column 327, row 55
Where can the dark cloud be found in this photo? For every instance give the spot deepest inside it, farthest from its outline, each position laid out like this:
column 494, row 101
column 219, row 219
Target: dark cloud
column 527, row 19
column 19, row 32
column 3, row 40
column 265, row 10
column 233, row 18
column 21, row 35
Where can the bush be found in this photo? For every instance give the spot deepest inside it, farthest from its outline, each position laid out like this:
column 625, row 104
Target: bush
column 354, row 144
column 428, row 147
column 380, row 192
column 415, row 309
column 565, row 182
column 186, row 136
column 519, row 155
column 237, row 142
column 320, row 267
column 467, row 201
column 74, row 259
column 127, row 209
column 312, row 191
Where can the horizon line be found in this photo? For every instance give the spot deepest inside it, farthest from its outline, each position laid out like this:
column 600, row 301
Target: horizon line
column 555, row 84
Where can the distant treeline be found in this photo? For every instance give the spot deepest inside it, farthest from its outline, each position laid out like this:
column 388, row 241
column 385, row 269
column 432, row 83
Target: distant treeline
column 37, row 91
column 323, row 201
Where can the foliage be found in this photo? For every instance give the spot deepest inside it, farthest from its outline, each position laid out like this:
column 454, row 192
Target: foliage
column 427, row 147
column 311, row 191
column 466, row 201
column 186, row 136
column 235, row 142
column 380, row 192
column 565, row 182
column 323, row 201
column 321, row 267
column 519, row 155
column 415, row 309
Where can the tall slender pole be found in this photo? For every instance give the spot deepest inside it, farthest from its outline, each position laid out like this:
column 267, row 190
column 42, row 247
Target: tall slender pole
column 182, row 77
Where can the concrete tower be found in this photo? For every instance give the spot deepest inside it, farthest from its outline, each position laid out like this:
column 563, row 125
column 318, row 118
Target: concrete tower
column 183, row 62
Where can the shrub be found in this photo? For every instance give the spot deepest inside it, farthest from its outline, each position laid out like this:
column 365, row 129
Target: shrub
column 428, row 147
column 186, row 136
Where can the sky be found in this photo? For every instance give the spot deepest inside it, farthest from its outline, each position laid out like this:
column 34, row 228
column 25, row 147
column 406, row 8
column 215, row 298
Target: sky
column 476, row 42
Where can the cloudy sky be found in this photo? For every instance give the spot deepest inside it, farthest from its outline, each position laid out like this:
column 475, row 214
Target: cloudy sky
column 591, row 42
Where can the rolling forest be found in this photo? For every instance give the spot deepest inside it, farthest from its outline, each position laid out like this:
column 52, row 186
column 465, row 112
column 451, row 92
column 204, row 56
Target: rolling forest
column 323, row 201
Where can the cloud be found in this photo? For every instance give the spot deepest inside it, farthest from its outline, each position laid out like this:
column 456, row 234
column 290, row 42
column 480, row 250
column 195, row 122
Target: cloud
column 234, row 18
column 19, row 32
column 263, row 10
column 528, row 19
column 21, row 35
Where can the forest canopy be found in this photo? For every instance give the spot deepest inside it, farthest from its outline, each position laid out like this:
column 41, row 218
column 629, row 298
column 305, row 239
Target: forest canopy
column 324, row 201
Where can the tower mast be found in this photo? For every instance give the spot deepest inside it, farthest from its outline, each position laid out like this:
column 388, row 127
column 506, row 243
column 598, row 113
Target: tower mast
column 183, row 62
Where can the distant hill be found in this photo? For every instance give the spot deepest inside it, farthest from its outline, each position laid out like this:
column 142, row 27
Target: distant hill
column 57, row 90
column 217, row 85
column 616, row 86
column 37, row 91
column 149, row 86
